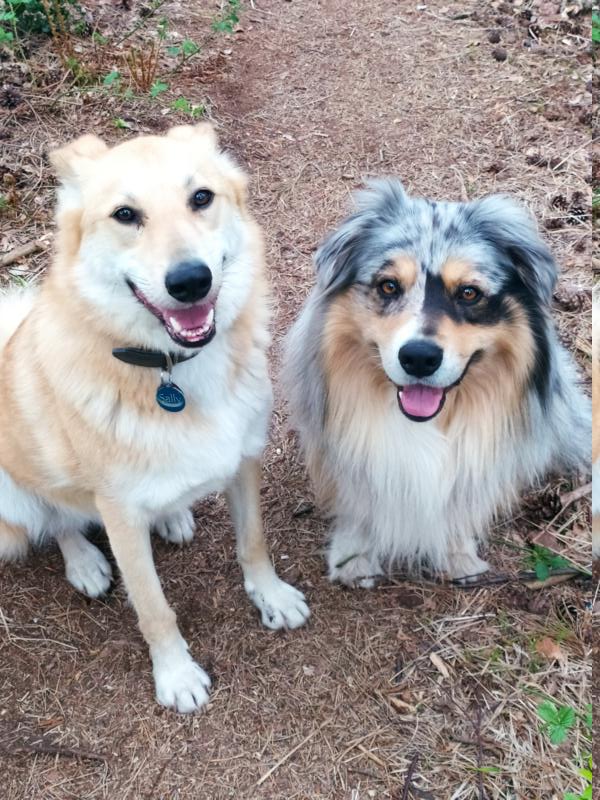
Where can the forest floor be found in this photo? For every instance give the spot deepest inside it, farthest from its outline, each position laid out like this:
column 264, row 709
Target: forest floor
column 415, row 689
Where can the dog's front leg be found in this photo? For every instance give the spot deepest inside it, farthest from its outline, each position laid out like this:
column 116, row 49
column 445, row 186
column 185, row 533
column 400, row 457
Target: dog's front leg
column 463, row 563
column 280, row 605
column 180, row 682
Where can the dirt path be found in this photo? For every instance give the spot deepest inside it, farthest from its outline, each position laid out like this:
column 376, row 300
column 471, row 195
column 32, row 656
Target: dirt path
column 317, row 96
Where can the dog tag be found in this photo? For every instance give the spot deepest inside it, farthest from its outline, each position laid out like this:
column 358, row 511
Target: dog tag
column 170, row 397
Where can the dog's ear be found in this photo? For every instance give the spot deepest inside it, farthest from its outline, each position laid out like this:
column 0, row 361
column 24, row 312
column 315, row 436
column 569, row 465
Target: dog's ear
column 340, row 256
column 70, row 161
column 238, row 180
column 203, row 132
column 336, row 261
column 512, row 231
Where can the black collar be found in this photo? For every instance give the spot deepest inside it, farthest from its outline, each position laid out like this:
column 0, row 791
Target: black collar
column 140, row 357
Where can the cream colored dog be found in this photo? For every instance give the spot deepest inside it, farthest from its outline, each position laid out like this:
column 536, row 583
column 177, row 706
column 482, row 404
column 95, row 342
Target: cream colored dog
column 158, row 270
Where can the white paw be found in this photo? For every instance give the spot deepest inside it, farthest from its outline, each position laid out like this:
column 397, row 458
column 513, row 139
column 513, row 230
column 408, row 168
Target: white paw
column 280, row 605
column 177, row 528
column 466, row 567
column 87, row 569
column 180, row 683
column 359, row 571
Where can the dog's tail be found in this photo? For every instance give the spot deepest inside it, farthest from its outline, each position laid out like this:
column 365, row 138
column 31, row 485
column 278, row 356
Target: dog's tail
column 15, row 305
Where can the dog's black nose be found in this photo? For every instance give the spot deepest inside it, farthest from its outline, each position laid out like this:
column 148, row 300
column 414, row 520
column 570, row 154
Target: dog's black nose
column 189, row 281
column 420, row 357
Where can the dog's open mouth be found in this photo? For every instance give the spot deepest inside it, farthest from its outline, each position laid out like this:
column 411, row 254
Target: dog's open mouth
column 419, row 402
column 193, row 326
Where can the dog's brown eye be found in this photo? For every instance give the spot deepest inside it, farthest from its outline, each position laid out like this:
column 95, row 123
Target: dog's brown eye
column 126, row 215
column 202, row 198
column 389, row 288
column 469, row 294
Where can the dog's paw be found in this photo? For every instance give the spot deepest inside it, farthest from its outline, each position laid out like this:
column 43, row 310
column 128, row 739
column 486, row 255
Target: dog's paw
column 177, row 528
column 87, row 569
column 280, row 605
column 466, row 567
column 181, row 684
column 359, row 571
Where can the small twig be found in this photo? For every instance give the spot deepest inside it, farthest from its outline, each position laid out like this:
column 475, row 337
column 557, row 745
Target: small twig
column 570, row 497
column 21, row 251
column 409, row 776
column 375, row 759
column 477, row 727
column 291, row 752
column 524, row 577
column 42, row 747
column 572, row 153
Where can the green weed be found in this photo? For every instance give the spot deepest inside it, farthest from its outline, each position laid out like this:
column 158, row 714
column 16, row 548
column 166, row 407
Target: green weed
column 543, row 561
column 229, row 18
column 557, row 723
column 183, row 105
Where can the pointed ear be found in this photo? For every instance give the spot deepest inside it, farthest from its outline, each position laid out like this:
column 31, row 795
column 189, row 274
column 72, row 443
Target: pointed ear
column 203, row 132
column 70, row 161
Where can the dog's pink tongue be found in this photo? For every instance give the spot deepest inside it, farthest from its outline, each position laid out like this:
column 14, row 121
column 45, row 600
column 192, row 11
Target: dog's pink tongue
column 191, row 318
column 420, row 401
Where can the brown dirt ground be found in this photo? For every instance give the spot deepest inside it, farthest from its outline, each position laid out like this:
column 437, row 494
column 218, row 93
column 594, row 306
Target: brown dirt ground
column 414, row 677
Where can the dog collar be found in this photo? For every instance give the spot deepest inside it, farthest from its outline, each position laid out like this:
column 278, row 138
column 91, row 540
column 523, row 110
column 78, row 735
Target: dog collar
column 168, row 395
column 140, row 357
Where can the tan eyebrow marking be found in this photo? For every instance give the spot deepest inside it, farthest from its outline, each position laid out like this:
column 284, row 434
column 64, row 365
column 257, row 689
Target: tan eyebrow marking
column 403, row 268
column 456, row 272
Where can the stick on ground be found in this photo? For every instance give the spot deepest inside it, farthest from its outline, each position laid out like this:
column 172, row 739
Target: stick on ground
column 281, row 761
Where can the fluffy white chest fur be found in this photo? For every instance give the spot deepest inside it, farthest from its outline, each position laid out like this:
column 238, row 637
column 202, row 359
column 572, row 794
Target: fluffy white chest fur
column 190, row 462
column 175, row 464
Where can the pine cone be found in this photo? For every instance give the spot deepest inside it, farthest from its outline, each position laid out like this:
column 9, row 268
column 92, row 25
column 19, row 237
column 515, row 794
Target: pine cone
column 559, row 201
column 577, row 215
column 572, row 299
column 10, row 97
column 549, row 503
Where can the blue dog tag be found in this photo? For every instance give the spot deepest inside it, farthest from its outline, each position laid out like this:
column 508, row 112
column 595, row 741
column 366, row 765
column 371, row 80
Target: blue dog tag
column 170, row 397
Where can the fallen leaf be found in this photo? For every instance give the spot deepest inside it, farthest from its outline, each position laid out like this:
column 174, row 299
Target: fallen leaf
column 550, row 649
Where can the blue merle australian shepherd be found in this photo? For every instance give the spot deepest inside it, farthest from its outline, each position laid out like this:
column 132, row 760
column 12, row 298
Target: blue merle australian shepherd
column 426, row 380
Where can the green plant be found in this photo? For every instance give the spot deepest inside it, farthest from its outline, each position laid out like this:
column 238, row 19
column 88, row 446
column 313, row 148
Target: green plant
column 543, row 561
column 42, row 16
column 158, row 87
column 229, row 17
column 185, row 50
column 557, row 723
column 557, row 720
column 183, row 105
column 162, row 28
column 586, row 774
column 7, row 19
column 596, row 27
column 112, row 79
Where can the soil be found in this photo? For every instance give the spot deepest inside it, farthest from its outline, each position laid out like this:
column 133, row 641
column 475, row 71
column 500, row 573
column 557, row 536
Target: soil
column 416, row 689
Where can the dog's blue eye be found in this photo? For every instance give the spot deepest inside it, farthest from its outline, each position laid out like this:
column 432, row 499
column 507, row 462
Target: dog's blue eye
column 469, row 294
column 202, row 198
column 126, row 215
